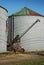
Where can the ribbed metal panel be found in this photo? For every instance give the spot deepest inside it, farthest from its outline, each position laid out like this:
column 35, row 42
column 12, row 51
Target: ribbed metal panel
column 3, row 38
column 10, row 29
column 33, row 40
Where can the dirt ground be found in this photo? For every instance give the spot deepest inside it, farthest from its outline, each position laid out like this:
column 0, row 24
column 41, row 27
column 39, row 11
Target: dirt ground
column 17, row 57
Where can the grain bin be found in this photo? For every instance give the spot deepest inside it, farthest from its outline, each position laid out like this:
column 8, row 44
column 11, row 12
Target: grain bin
column 33, row 40
column 3, row 39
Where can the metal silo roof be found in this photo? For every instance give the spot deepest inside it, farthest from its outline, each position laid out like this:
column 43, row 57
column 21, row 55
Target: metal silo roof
column 4, row 8
column 26, row 12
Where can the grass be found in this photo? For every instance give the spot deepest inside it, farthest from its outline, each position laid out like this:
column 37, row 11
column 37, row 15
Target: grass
column 26, row 62
column 30, row 52
column 6, row 53
column 34, row 52
column 38, row 61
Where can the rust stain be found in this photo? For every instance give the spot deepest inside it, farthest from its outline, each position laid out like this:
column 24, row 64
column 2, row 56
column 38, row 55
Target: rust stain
column 32, row 13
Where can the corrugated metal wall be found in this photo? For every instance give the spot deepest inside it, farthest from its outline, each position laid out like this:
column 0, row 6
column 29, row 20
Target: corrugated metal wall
column 3, row 38
column 10, row 29
column 33, row 40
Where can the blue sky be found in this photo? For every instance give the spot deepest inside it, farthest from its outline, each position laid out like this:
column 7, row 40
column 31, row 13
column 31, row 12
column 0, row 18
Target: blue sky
column 16, row 5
